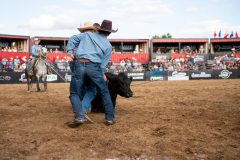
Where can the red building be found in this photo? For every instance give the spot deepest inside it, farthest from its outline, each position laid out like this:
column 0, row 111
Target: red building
column 165, row 45
column 14, row 45
column 129, row 48
column 219, row 45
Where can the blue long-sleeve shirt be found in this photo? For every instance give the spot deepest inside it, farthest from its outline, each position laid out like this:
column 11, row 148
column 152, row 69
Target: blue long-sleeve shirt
column 92, row 46
column 35, row 49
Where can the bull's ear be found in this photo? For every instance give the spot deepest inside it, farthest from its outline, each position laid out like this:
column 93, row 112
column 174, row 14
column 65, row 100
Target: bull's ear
column 110, row 76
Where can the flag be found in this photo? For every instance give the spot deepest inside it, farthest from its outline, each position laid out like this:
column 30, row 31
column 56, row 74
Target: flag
column 226, row 35
column 236, row 35
column 214, row 34
column 219, row 34
column 231, row 35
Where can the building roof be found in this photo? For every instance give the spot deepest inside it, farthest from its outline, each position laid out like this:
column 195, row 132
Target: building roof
column 14, row 36
column 130, row 40
column 177, row 40
column 216, row 40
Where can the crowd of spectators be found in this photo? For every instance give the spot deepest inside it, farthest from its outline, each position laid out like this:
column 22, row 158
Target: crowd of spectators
column 125, row 65
column 15, row 64
column 19, row 64
column 174, row 60
column 188, row 59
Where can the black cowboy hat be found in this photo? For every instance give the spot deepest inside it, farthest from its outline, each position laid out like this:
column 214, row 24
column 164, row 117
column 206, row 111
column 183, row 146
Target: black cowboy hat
column 105, row 26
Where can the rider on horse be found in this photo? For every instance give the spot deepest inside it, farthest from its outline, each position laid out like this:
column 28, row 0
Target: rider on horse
column 36, row 49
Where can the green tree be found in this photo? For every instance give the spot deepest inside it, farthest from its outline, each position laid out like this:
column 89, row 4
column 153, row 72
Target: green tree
column 156, row 37
column 168, row 35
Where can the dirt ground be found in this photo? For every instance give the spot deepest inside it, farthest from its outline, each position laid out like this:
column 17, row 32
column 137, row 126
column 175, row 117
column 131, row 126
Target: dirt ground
column 164, row 120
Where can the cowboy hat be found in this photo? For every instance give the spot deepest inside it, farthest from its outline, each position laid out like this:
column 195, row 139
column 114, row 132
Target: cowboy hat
column 36, row 40
column 105, row 26
column 86, row 26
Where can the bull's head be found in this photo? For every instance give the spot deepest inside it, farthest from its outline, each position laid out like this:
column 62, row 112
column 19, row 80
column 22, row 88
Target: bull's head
column 120, row 84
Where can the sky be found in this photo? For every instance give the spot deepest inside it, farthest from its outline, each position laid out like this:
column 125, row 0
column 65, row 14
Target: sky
column 134, row 19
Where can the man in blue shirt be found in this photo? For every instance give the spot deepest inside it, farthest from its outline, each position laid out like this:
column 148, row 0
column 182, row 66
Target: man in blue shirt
column 89, row 91
column 92, row 54
column 34, row 53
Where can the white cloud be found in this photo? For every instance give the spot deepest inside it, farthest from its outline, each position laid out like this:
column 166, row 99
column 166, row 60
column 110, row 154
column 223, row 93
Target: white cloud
column 128, row 14
column 50, row 22
column 138, row 10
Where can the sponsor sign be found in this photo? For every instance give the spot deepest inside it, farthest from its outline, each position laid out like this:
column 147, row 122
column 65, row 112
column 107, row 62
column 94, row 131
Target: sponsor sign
column 158, row 75
column 52, row 77
column 23, row 78
column 178, row 76
column 137, row 76
column 5, row 78
column 202, row 74
column 225, row 74
column 68, row 77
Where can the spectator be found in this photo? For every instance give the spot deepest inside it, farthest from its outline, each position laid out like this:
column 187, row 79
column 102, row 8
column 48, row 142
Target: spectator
column 16, row 62
column 10, row 64
column 4, row 63
column 57, row 62
column 56, row 51
column 65, row 63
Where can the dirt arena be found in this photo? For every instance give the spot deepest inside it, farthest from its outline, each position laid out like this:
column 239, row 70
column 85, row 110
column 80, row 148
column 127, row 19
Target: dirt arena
column 165, row 120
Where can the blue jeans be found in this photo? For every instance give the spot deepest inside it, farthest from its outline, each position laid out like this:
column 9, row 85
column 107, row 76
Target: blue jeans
column 90, row 74
column 88, row 92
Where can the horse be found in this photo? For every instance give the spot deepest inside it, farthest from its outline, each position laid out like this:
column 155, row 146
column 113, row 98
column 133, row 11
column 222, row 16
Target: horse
column 40, row 70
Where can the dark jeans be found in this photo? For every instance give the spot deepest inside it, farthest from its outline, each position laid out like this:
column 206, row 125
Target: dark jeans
column 89, row 74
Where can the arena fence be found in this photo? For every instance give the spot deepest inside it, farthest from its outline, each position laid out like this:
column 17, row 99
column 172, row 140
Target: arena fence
column 19, row 77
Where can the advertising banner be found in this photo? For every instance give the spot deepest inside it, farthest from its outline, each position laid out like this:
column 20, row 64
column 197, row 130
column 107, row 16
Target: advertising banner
column 137, row 76
column 178, row 75
column 157, row 75
column 226, row 74
column 200, row 74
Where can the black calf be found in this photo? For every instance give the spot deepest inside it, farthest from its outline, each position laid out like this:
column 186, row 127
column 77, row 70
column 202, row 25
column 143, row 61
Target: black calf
column 117, row 85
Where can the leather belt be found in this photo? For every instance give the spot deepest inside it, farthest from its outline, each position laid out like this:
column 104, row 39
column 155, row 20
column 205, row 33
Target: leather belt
column 83, row 60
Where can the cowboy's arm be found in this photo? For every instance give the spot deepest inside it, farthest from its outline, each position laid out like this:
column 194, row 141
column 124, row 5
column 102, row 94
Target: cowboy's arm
column 72, row 44
column 106, row 58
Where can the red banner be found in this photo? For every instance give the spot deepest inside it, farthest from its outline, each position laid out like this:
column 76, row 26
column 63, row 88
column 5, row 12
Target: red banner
column 142, row 58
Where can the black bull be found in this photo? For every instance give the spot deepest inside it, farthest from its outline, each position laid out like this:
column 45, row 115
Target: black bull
column 117, row 85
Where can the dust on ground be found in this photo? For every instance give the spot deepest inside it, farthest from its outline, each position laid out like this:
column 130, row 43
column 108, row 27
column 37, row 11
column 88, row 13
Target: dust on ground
column 176, row 120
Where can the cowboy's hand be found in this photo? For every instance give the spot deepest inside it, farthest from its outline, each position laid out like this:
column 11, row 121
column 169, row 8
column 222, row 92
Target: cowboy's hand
column 69, row 58
column 104, row 77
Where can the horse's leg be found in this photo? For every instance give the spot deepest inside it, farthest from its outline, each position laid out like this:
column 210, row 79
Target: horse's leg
column 37, row 81
column 31, row 83
column 44, row 79
column 28, row 82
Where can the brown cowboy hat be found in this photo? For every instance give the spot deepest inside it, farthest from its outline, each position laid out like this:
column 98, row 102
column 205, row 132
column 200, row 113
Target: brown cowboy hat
column 105, row 26
column 86, row 26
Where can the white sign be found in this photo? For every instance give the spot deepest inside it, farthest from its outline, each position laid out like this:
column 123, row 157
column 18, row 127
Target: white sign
column 178, row 76
column 68, row 77
column 201, row 75
column 23, row 78
column 225, row 74
column 136, row 75
column 51, row 77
